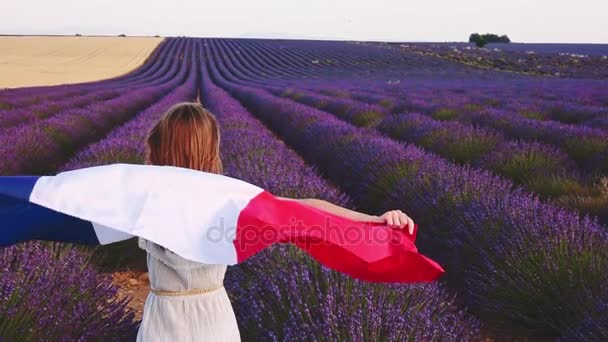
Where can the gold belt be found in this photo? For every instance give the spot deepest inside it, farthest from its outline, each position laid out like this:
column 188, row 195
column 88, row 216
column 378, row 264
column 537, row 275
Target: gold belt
column 185, row 292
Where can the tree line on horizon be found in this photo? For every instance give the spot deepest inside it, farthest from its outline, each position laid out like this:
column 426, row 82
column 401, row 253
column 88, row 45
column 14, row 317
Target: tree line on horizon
column 482, row 39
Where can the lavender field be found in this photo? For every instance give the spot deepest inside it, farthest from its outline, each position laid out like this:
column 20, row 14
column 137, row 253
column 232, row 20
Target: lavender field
column 504, row 170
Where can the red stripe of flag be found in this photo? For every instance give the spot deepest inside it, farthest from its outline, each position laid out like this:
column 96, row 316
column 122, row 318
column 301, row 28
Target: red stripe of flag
column 364, row 250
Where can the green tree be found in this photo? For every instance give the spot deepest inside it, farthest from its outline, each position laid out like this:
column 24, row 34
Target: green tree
column 477, row 39
column 481, row 40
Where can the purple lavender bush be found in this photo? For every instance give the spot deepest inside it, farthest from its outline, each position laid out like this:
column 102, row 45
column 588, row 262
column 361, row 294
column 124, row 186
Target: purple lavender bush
column 282, row 294
column 51, row 292
column 543, row 168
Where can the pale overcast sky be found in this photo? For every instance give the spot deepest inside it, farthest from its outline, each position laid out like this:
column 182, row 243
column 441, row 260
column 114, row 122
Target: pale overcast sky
column 550, row 21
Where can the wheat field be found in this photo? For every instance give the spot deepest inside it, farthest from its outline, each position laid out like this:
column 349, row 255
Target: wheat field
column 33, row 60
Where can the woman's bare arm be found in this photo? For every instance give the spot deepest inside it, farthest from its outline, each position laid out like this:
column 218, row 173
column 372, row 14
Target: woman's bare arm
column 336, row 209
column 393, row 218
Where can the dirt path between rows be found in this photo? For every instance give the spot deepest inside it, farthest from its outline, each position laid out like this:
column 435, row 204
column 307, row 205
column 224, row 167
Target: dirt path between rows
column 135, row 285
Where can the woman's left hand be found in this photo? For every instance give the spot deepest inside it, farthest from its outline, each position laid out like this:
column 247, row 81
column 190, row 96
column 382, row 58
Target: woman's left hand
column 398, row 219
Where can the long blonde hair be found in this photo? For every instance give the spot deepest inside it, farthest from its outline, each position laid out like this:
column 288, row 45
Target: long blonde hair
column 187, row 135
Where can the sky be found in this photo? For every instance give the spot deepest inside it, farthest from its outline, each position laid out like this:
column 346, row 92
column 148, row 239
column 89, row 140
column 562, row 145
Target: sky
column 528, row 21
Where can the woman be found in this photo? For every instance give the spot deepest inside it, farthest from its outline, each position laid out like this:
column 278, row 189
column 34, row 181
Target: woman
column 188, row 301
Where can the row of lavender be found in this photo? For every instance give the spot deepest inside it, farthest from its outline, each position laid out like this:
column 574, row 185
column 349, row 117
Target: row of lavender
column 68, row 299
column 510, row 253
column 577, row 102
column 585, row 112
column 545, row 169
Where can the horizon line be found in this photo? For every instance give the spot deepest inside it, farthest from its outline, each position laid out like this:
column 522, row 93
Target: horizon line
column 262, row 37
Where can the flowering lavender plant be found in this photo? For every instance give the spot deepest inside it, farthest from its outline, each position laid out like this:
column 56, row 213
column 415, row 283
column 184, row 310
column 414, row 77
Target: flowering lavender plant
column 52, row 292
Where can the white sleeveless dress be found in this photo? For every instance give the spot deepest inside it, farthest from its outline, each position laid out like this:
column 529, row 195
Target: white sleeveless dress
column 194, row 317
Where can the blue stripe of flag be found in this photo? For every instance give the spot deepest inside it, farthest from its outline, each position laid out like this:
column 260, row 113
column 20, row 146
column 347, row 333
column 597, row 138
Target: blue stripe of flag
column 21, row 220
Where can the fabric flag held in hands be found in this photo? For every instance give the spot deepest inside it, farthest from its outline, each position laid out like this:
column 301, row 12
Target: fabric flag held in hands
column 204, row 217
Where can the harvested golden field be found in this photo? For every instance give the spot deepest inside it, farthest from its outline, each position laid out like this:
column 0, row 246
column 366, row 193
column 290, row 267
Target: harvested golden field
column 35, row 60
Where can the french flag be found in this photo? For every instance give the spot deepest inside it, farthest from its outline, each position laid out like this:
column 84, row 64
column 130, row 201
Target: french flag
column 204, row 217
